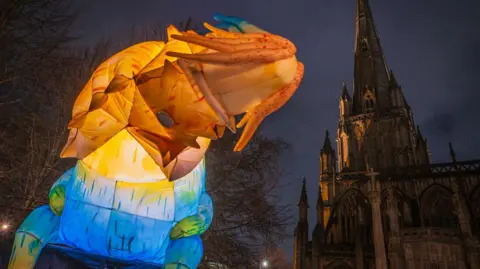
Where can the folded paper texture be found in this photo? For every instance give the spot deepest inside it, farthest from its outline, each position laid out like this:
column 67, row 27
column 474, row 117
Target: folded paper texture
column 140, row 129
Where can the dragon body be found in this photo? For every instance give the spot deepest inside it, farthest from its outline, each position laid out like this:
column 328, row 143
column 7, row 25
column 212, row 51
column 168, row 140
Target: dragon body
column 140, row 129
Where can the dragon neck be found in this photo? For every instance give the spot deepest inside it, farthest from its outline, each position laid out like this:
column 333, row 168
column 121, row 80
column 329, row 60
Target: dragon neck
column 123, row 158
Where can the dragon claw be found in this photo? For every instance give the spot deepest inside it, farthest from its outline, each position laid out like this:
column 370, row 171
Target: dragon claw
column 254, row 117
column 251, row 120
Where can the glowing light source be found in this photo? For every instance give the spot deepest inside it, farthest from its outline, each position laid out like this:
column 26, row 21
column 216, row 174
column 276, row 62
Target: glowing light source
column 140, row 131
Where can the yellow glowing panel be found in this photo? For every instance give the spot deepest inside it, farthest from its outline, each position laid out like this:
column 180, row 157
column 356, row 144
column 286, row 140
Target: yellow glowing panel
column 326, row 216
column 324, row 191
column 153, row 199
column 110, row 161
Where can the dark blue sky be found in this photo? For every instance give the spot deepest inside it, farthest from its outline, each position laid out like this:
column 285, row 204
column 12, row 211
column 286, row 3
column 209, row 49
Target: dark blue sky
column 432, row 46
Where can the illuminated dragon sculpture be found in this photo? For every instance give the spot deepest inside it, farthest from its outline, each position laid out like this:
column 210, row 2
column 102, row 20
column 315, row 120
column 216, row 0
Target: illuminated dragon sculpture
column 140, row 129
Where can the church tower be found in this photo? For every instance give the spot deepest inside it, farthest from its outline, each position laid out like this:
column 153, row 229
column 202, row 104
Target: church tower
column 376, row 126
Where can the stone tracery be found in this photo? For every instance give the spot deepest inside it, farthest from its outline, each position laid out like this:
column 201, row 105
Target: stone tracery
column 437, row 208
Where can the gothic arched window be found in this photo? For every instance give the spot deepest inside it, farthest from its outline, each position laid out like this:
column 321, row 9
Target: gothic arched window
column 437, row 208
column 369, row 103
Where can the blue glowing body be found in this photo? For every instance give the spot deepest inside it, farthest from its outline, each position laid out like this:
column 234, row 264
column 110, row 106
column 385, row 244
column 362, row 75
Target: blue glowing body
column 123, row 221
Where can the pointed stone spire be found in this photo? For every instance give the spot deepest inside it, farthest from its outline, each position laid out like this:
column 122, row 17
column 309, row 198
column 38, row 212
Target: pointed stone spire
column 327, row 145
column 345, row 105
column 301, row 230
column 452, row 153
column 370, row 67
column 345, row 95
column 303, row 194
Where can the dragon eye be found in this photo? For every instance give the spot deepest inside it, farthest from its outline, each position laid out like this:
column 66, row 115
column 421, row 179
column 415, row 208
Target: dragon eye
column 165, row 119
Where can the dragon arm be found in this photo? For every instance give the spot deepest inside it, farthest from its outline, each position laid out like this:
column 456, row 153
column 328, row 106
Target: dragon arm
column 58, row 192
column 250, row 46
column 196, row 224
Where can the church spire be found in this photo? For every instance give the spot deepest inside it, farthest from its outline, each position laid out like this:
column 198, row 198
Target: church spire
column 303, row 195
column 301, row 231
column 327, row 145
column 345, row 96
column 327, row 156
column 345, row 101
column 371, row 75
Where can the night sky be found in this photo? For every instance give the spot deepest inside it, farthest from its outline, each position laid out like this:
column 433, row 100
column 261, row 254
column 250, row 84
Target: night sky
column 433, row 48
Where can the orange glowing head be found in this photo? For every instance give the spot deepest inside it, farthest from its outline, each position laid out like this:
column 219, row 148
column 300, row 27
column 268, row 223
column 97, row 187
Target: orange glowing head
column 171, row 98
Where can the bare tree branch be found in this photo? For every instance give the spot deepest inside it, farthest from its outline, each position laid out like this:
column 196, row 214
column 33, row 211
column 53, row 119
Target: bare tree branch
column 248, row 214
column 35, row 130
column 31, row 31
